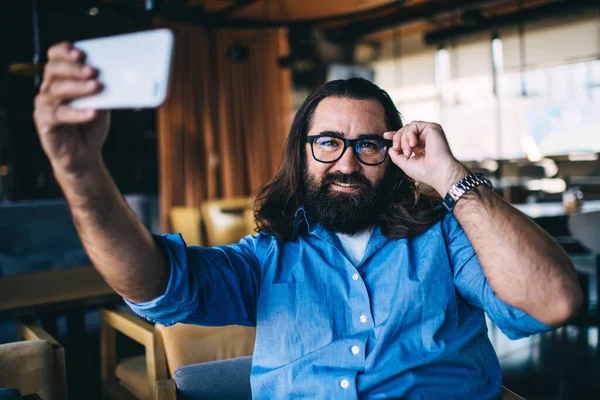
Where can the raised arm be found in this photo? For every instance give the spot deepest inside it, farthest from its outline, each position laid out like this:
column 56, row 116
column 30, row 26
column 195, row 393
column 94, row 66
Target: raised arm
column 523, row 265
column 116, row 241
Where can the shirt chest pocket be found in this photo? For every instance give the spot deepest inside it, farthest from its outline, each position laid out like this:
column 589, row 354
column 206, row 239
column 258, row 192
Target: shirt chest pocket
column 298, row 317
column 418, row 294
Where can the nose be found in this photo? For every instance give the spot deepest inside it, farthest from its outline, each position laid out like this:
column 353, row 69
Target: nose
column 348, row 163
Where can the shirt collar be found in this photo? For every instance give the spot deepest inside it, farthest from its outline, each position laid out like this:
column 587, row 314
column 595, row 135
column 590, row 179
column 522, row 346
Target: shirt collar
column 301, row 221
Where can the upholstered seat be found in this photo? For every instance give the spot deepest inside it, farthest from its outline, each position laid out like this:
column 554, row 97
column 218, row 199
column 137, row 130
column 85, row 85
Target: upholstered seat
column 226, row 379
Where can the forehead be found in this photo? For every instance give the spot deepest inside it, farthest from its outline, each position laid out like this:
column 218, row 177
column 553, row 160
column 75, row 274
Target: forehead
column 350, row 117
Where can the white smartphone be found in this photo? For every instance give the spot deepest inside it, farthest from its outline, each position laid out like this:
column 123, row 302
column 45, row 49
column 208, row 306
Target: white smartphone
column 134, row 69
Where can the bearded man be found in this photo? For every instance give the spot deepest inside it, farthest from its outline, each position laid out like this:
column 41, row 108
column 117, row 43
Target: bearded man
column 358, row 285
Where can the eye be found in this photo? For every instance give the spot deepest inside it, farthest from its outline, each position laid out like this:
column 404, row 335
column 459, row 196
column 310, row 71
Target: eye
column 369, row 145
column 328, row 142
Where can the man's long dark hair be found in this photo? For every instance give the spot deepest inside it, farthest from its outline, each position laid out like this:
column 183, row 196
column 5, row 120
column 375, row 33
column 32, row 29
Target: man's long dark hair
column 407, row 212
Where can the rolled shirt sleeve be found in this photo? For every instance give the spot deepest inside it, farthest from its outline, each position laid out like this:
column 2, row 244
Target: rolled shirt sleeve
column 473, row 286
column 207, row 286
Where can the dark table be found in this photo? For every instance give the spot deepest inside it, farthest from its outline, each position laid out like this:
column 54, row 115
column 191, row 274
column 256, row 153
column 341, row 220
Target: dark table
column 554, row 209
column 55, row 290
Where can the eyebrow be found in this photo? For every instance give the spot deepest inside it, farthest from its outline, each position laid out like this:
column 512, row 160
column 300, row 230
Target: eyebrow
column 361, row 136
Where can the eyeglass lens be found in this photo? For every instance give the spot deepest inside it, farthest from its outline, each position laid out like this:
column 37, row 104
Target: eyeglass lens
column 328, row 149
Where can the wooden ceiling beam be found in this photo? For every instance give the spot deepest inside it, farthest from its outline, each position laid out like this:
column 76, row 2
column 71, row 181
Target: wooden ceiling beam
column 227, row 12
column 449, row 20
column 548, row 9
column 419, row 11
column 288, row 18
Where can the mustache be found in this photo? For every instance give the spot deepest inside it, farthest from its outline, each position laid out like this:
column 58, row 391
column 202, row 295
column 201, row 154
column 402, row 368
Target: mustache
column 351, row 179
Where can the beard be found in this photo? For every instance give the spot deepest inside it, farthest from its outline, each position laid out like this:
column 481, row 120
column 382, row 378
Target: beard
column 345, row 212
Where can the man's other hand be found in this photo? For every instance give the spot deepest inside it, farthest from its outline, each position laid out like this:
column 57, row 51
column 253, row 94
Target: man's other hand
column 421, row 150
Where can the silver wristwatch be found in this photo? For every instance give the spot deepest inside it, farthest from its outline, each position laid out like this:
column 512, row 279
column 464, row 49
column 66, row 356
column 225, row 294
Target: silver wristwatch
column 461, row 187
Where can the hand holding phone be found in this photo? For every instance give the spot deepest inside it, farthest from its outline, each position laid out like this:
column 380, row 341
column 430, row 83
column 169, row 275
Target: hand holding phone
column 81, row 81
column 71, row 138
column 133, row 69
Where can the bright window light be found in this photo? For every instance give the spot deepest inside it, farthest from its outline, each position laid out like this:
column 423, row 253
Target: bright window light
column 442, row 67
column 497, row 54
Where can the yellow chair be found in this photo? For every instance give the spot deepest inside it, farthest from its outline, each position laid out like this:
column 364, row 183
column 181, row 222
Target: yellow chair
column 186, row 220
column 226, row 220
column 249, row 221
column 35, row 364
column 166, row 349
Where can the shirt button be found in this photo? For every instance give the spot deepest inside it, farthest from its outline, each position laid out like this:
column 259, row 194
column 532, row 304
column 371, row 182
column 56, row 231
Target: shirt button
column 355, row 277
column 363, row 319
column 344, row 383
column 355, row 350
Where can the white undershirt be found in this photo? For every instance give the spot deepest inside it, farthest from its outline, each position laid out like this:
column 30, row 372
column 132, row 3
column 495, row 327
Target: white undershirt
column 355, row 245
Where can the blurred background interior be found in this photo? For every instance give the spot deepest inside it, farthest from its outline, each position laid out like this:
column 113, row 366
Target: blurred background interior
column 514, row 83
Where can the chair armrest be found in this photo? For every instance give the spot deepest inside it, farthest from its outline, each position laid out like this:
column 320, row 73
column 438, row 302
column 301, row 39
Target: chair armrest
column 129, row 325
column 166, row 390
column 137, row 329
column 31, row 331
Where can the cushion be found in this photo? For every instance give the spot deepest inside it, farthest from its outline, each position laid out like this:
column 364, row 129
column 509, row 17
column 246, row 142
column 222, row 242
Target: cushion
column 41, row 226
column 28, row 366
column 225, row 379
column 40, row 234
column 132, row 375
column 10, row 265
column 23, row 264
column 10, row 394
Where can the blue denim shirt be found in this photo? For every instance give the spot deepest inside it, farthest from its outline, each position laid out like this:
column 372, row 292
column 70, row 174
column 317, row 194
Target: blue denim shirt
column 407, row 322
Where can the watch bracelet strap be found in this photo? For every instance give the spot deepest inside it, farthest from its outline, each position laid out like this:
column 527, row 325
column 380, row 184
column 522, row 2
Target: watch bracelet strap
column 463, row 186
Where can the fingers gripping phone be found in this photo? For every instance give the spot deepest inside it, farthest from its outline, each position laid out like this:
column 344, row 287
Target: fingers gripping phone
column 134, row 69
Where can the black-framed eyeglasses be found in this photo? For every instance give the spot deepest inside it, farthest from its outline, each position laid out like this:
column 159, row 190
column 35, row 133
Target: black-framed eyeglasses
column 368, row 150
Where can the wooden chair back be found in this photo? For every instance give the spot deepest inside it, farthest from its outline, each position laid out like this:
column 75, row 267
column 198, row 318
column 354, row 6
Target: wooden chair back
column 35, row 365
column 192, row 344
column 225, row 220
column 186, row 220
